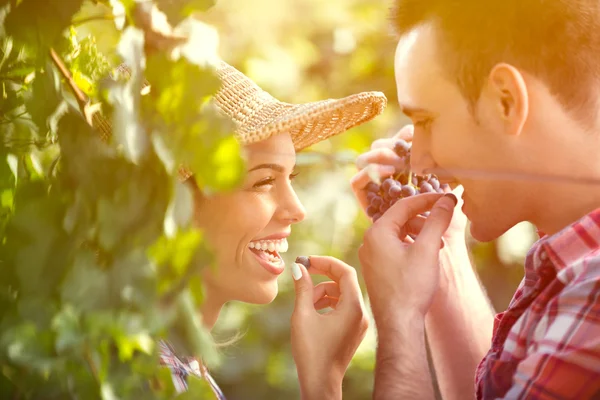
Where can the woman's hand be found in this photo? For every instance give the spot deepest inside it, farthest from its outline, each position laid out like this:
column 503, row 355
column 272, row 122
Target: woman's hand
column 324, row 344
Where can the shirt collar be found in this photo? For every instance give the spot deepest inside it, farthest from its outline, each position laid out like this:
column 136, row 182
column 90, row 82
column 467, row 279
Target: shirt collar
column 570, row 245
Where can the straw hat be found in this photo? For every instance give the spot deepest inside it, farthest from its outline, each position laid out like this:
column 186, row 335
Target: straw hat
column 258, row 115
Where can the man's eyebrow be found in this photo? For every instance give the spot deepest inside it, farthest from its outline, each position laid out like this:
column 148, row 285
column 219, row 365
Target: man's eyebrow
column 275, row 167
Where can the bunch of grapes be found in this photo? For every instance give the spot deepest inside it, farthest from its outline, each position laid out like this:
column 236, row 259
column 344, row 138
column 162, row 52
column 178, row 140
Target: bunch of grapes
column 403, row 184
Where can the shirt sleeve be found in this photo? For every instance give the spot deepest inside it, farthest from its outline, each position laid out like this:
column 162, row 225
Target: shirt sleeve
column 564, row 360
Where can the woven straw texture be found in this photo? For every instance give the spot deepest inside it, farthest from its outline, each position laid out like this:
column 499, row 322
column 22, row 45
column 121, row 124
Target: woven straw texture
column 258, row 115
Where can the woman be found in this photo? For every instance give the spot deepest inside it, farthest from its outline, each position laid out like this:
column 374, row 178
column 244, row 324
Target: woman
column 248, row 229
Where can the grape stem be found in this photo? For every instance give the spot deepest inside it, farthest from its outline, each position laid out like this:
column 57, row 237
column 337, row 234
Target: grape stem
column 88, row 110
column 82, row 99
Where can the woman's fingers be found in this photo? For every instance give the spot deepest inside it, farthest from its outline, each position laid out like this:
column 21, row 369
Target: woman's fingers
column 326, row 302
column 326, row 289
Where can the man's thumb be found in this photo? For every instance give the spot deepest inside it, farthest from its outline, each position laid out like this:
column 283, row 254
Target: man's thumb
column 303, row 286
column 437, row 223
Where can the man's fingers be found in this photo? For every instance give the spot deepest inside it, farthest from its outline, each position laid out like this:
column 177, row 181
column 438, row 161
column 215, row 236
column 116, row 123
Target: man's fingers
column 385, row 156
column 406, row 133
column 414, row 225
column 404, row 210
column 437, row 223
column 329, row 289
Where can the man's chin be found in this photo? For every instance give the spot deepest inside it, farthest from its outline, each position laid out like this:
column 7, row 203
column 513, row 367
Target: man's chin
column 482, row 232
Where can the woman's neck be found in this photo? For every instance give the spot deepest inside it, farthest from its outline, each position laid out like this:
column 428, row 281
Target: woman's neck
column 211, row 308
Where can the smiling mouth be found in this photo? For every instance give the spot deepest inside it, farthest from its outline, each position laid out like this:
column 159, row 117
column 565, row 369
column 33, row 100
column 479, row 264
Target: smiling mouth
column 267, row 252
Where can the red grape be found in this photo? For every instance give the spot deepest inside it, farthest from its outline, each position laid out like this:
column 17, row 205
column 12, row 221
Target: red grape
column 403, row 184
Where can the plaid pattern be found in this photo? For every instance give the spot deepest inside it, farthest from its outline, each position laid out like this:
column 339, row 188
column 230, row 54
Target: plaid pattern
column 180, row 370
column 546, row 345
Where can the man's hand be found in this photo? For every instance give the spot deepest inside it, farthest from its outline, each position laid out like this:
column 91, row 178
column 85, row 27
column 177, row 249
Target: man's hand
column 382, row 160
column 459, row 319
column 324, row 344
column 402, row 275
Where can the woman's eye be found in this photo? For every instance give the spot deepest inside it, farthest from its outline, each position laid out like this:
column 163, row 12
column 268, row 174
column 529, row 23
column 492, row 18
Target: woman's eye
column 265, row 182
column 293, row 175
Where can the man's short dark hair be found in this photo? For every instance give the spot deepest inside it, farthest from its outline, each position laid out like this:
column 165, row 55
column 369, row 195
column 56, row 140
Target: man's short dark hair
column 557, row 41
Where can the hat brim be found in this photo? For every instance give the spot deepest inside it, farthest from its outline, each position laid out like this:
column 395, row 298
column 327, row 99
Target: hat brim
column 311, row 123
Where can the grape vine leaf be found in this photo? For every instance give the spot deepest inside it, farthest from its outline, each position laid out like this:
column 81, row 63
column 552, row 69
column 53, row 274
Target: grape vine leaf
column 40, row 23
column 177, row 10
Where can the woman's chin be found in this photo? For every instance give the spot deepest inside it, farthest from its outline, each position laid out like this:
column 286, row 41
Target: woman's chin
column 262, row 294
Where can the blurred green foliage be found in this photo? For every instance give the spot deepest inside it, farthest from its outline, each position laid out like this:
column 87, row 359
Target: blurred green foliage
column 98, row 249
column 78, row 216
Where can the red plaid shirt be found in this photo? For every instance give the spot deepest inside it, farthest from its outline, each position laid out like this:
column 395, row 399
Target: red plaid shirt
column 546, row 345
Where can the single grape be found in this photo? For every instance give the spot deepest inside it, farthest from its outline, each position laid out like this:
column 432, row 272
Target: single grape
column 408, row 191
column 376, row 202
column 376, row 217
column 415, row 180
column 373, row 187
column 401, row 147
column 435, row 184
column 395, row 191
column 384, row 207
column 371, row 211
column 371, row 195
column 304, row 261
column 387, row 184
column 445, row 187
column 426, row 187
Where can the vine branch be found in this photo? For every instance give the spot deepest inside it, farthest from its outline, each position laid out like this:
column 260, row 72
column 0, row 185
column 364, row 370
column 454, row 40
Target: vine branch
column 82, row 99
column 92, row 18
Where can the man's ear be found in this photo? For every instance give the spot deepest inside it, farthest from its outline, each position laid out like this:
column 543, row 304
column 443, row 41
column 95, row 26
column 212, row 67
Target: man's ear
column 509, row 95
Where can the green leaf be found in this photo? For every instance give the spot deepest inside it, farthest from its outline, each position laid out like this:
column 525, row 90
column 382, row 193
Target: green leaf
column 198, row 337
column 225, row 169
column 86, row 286
column 202, row 45
column 175, row 10
column 27, row 346
column 138, row 342
column 107, row 392
column 128, row 131
column 197, row 389
column 180, row 211
column 40, row 23
column 177, row 252
column 67, row 328
column 46, row 85
column 6, row 198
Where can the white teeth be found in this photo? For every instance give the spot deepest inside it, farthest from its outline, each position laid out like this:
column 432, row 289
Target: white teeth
column 280, row 246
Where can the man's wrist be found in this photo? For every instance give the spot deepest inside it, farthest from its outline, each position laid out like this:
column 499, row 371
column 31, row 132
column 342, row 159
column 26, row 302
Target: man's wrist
column 399, row 324
column 394, row 318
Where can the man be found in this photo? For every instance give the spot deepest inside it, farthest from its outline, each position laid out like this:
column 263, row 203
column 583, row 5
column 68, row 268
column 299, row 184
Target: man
column 502, row 95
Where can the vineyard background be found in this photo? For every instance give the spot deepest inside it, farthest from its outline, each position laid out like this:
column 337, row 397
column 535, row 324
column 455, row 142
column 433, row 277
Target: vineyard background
column 305, row 50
